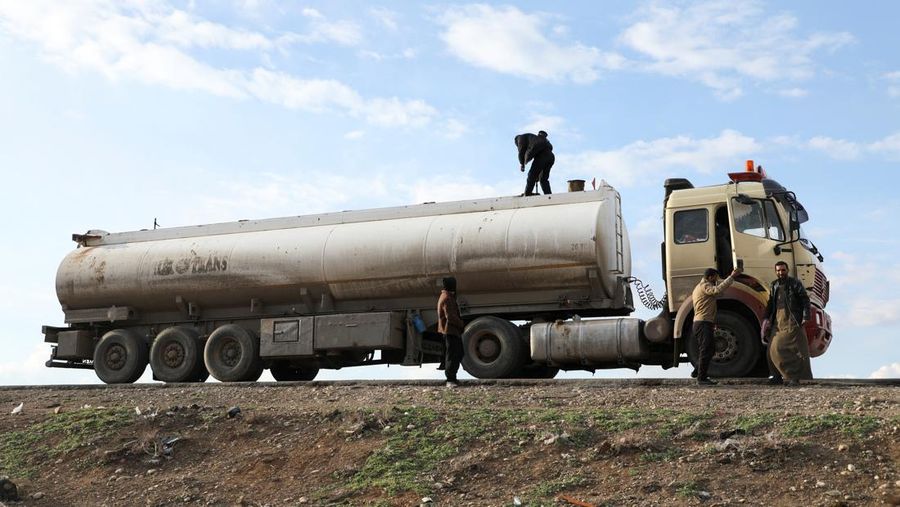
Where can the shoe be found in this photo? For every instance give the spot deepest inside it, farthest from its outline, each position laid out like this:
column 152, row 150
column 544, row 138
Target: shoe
column 775, row 380
column 792, row 383
column 453, row 384
column 706, row 382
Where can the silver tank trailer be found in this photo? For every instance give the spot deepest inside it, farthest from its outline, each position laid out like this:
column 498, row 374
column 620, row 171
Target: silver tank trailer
column 493, row 245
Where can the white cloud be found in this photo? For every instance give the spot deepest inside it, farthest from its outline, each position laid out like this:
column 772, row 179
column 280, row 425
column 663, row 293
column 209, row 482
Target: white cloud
column 887, row 371
column 835, row 148
column 548, row 123
column 643, row 161
column 354, row 134
column 889, row 146
column 386, row 17
column 868, row 311
column 442, row 189
column 150, row 43
column 793, row 92
column 507, row 40
column 454, row 129
column 722, row 44
column 893, row 79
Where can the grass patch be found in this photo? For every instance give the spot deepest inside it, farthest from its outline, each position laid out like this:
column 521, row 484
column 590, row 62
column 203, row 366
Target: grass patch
column 674, row 423
column 21, row 451
column 545, row 490
column 857, row 426
column 665, row 455
column 614, row 421
column 688, row 489
column 749, row 423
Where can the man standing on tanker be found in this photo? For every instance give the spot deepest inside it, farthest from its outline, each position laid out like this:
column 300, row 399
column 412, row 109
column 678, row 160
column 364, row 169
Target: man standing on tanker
column 704, row 297
column 450, row 326
column 536, row 148
column 788, row 311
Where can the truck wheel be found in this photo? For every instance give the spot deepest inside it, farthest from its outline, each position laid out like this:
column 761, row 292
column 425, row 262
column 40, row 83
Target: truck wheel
column 120, row 357
column 493, row 348
column 737, row 347
column 284, row 371
column 232, row 354
column 177, row 355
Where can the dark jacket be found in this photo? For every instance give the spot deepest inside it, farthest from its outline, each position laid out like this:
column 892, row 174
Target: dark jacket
column 449, row 320
column 797, row 299
column 531, row 146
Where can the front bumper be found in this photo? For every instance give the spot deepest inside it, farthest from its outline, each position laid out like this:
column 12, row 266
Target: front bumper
column 818, row 331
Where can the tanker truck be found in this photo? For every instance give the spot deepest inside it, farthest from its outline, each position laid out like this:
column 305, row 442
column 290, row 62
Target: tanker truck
column 545, row 284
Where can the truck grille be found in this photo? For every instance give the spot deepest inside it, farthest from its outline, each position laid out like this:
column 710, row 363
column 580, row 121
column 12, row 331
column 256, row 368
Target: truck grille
column 820, row 287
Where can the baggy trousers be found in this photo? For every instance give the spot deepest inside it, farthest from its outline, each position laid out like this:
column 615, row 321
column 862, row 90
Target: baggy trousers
column 706, row 346
column 453, row 354
column 789, row 350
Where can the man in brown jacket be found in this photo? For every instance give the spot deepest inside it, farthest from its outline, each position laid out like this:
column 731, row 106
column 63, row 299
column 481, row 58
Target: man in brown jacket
column 704, row 297
column 450, row 325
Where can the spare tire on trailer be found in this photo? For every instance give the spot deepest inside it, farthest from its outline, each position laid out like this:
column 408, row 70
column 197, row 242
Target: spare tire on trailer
column 737, row 346
column 231, row 354
column 493, row 348
column 177, row 355
column 120, row 357
column 284, row 371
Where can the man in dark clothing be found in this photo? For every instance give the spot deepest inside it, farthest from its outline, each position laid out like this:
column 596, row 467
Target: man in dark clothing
column 536, row 148
column 787, row 312
column 450, row 325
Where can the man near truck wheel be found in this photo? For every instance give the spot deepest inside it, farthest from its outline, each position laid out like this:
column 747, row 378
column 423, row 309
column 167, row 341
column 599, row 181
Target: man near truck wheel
column 450, row 326
column 788, row 311
column 704, row 297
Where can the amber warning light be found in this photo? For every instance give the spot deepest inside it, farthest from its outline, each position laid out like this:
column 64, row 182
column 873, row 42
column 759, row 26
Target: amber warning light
column 750, row 174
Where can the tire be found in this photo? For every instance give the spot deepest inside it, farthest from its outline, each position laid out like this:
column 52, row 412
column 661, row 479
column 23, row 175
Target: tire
column 120, row 357
column 177, row 355
column 492, row 348
column 284, row 371
column 737, row 347
column 231, row 354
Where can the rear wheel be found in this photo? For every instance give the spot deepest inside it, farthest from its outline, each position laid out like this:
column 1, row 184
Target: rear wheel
column 737, row 347
column 120, row 357
column 284, row 371
column 232, row 354
column 177, row 355
column 493, row 348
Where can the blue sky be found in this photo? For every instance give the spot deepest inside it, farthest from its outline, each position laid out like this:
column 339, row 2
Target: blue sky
column 116, row 113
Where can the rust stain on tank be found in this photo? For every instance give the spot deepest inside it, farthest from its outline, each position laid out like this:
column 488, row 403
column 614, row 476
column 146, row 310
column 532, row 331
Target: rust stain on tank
column 99, row 270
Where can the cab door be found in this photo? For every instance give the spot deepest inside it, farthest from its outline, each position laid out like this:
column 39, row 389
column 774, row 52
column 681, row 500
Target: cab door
column 756, row 229
column 690, row 250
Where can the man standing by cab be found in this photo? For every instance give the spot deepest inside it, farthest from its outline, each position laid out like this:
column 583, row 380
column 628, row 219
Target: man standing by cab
column 704, row 297
column 788, row 311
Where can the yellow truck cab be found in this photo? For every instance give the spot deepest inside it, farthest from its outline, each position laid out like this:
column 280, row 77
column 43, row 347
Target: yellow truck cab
column 752, row 222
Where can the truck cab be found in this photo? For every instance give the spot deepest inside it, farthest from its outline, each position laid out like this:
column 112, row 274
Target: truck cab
column 752, row 222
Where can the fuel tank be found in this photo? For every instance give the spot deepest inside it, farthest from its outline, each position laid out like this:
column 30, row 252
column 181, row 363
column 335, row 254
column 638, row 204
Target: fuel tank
column 502, row 245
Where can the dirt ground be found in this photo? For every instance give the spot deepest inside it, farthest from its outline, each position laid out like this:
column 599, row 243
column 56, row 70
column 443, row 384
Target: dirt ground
column 593, row 442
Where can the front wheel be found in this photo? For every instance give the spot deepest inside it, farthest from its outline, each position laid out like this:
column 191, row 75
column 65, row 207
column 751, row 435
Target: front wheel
column 120, row 357
column 493, row 348
column 737, row 346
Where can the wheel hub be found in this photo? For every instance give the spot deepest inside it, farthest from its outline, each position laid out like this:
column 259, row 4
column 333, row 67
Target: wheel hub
column 726, row 345
column 173, row 355
column 116, row 356
column 488, row 348
column 231, row 353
